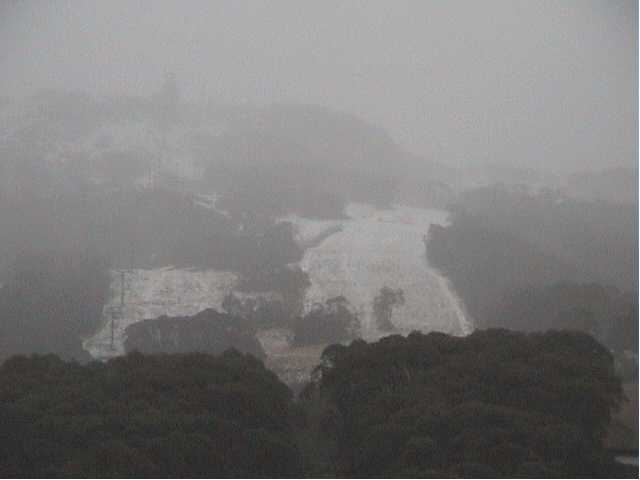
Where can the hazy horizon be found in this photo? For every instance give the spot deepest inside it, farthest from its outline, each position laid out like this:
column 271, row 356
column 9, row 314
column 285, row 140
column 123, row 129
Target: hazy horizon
column 548, row 85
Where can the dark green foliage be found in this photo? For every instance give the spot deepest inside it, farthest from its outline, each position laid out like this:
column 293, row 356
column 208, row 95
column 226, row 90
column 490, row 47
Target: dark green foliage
column 484, row 264
column 258, row 312
column 598, row 240
column 207, row 331
column 140, row 228
column 604, row 312
column 289, row 281
column 507, row 282
column 329, row 323
column 46, row 305
column 494, row 403
column 168, row 228
column 177, row 415
column 49, row 301
column 305, row 159
column 268, row 176
column 143, row 229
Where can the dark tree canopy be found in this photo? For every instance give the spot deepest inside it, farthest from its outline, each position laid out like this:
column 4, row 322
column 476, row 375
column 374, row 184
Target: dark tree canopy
column 331, row 322
column 175, row 415
column 493, row 403
column 208, row 331
column 597, row 239
column 49, row 301
column 508, row 282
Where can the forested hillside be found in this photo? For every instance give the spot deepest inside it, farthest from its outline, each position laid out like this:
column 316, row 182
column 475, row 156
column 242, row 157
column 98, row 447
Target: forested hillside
column 535, row 261
column 494, row 403
column 50, row 301
column 595, row 237
column 324, row 239
column 179, row 415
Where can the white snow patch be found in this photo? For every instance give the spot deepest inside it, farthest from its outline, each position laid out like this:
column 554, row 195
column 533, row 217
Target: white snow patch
column 152, row 293
column 377, row 248
column 275, row 341
column 373, row 248
column 307, row 229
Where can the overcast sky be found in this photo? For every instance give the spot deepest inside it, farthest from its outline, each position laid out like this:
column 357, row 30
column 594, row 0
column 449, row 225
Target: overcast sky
column 541, row 83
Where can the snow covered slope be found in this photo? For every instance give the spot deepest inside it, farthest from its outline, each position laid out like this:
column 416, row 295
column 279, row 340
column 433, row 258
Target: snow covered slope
column 354, row 257
column 377, row 248
column 152, row 293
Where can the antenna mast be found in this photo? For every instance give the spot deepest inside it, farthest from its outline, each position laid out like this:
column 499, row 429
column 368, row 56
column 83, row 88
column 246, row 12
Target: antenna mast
column 121, row 309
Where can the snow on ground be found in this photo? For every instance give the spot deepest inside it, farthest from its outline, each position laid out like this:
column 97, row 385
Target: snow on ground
column 152, row 293
column 275, row 341
column 354, row 257
column 308, row 229
column 376, row 248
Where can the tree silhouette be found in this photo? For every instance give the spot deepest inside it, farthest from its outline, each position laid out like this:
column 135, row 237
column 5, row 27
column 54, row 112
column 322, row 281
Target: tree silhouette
column 384, row 303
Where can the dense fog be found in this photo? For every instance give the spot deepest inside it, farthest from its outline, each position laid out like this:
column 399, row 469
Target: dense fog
column 326, row 238
column 546, row 84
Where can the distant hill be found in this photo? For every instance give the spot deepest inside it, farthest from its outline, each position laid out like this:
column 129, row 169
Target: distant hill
column 596, row 238
column 59, row 141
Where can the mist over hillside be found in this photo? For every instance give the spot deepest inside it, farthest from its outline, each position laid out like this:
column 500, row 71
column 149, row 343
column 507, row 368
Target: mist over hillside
column 319, row 238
